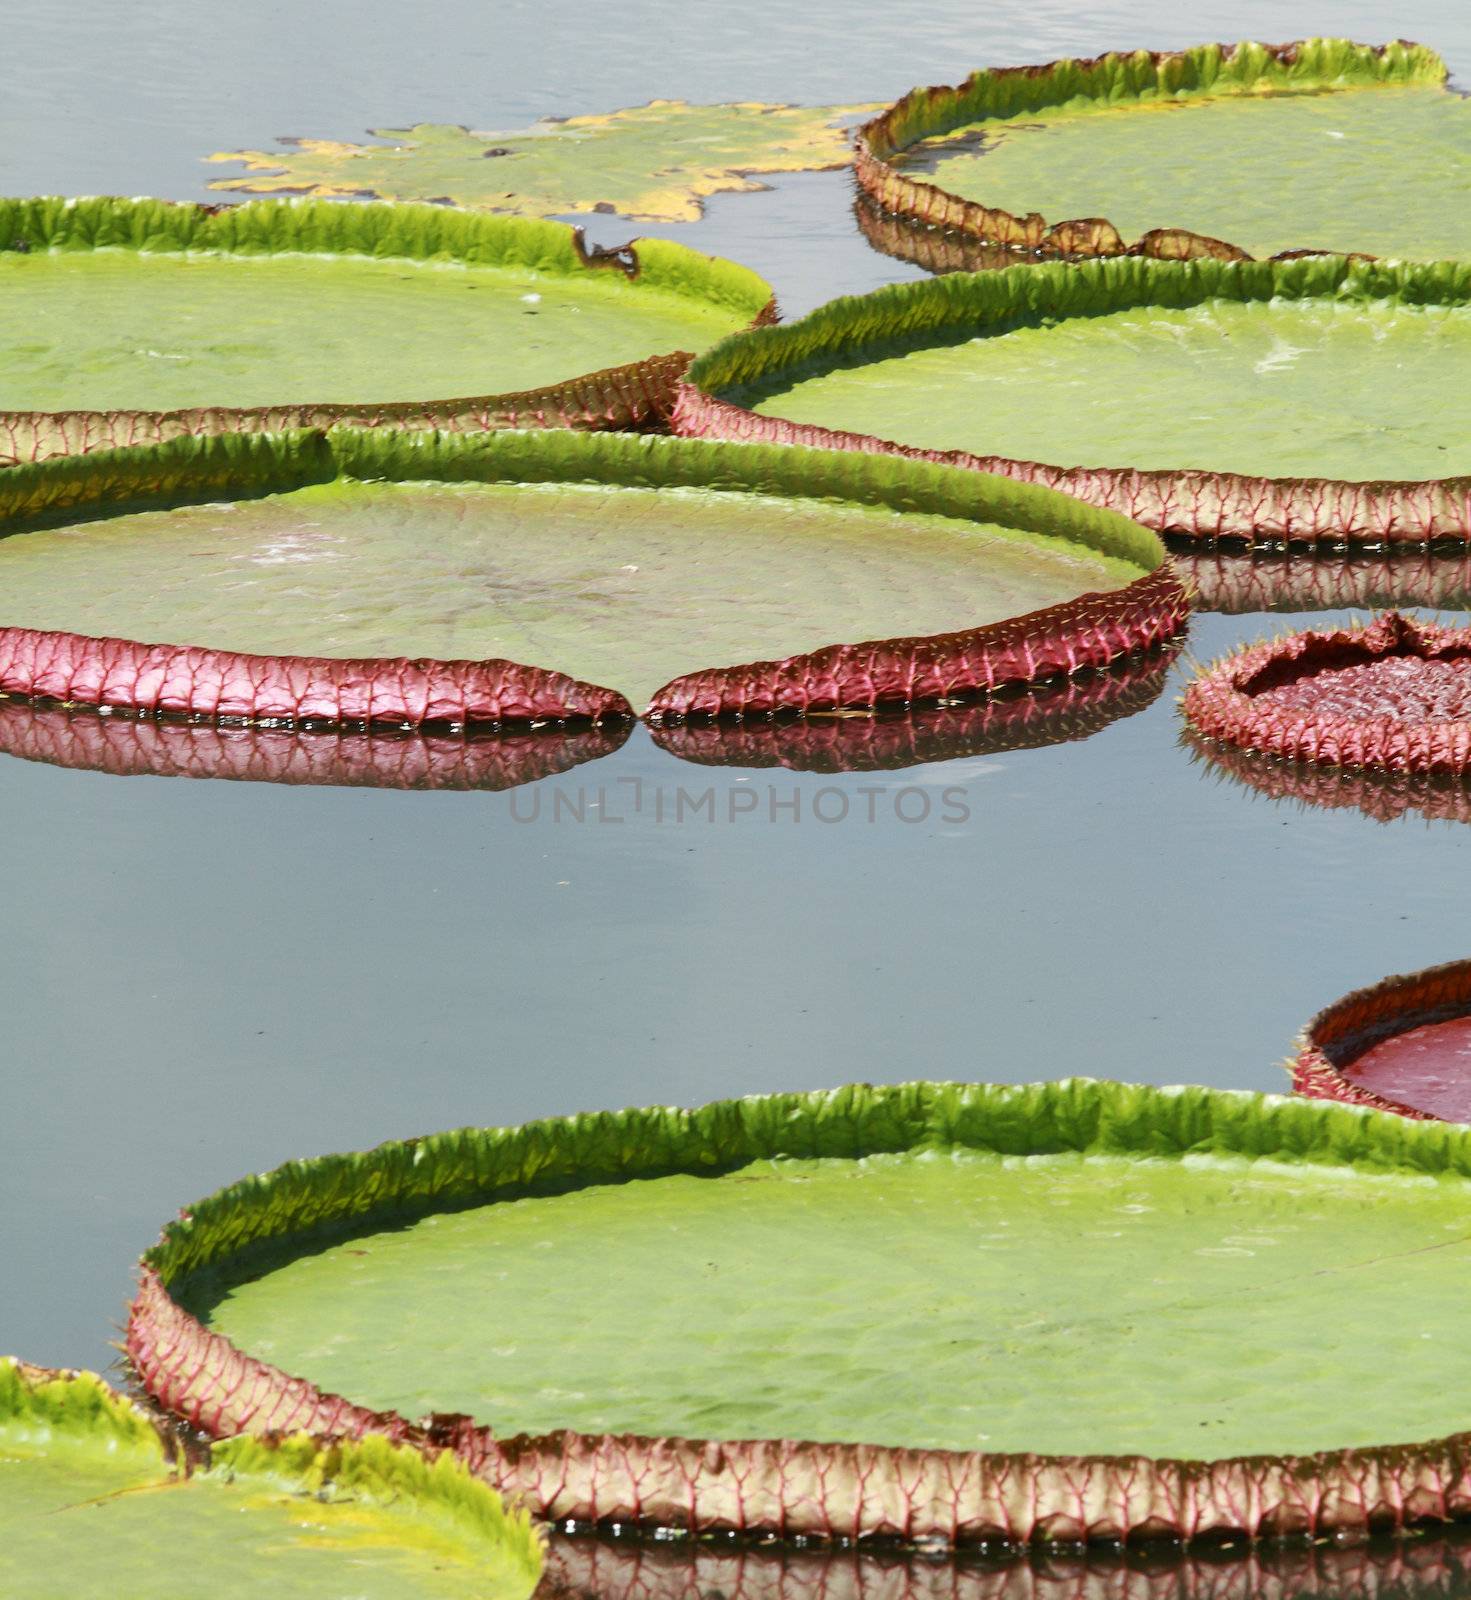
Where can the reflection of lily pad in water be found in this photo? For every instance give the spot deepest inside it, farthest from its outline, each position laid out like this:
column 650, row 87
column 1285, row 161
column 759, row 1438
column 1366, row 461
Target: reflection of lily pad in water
column 278, row 313
column 1403, row 1044
column 1245, row 582
column 376, row 758
column 1322, row 144
column 91, row 1505
column 911, row 1265
column 370, row 576
column 1258, row 399
column 655, row 162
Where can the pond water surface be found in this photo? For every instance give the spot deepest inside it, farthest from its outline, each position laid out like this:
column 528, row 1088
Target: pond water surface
column 205, row 978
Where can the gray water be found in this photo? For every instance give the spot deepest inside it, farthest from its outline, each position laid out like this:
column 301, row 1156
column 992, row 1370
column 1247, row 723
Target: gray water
column 203, row 979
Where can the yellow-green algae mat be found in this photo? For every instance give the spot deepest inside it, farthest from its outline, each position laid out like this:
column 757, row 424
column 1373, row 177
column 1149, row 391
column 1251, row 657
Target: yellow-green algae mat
column 952, row 1312
column 1227, row 150
column 93, row 1503
column 414, row 577
column 656, row 162
column 136, row 320
column 1323, row 398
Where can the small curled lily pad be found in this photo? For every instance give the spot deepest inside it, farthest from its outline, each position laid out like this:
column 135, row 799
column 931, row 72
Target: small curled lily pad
column 831, row 1313
column 1394, row 695
column 1222, row 150
column 1276, row 400
column 93, row 1503
column 1402, row 1045
column 656, row 162
column 131, row 321
column 422, row 579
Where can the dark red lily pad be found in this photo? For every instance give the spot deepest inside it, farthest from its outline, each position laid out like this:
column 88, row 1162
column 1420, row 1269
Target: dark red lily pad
column 1394, row 695
column 1402, row 1045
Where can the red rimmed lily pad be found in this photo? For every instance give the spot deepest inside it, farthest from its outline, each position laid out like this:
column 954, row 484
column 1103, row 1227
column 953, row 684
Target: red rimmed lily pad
column 1393, row 695
column 1273, row 400
column 908, row 1267
column 372, row 577
column 1401, row 1045
column 1183, row 153
column 136, row 321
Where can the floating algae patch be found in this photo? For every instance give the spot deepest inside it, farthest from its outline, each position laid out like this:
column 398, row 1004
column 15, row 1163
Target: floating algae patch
column 620, row 586
column 884, row 1279
column 1279, row 399
column 420, row 578
column 90, row 1504
column 134, row 321
column 656, row 162
column 1271, row 388
column 1222, row 150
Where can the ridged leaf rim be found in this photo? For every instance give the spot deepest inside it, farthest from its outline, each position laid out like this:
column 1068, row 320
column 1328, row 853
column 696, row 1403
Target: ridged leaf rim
column 1085, row 633
column 1114, row 78
column 787, row 1488
column 1198, row 503
column 634, row 395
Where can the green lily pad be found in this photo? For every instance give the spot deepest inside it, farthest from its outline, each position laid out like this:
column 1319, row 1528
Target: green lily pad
column 907, row 1269
column 288, row 310
column 1322, row 144
column 91, row 1503
column 1277, row 398
column 617, row 560
column 655, row 162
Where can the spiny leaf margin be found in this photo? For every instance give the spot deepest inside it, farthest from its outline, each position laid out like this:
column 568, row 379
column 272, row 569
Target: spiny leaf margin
column 714, row 395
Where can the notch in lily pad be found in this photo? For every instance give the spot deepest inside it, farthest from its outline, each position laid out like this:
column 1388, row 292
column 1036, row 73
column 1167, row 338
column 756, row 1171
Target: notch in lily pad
column 422, row 580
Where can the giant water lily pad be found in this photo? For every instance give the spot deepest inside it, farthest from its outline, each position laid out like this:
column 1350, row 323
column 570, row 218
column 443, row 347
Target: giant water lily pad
column 132, row 320
column 1403, row 1044
column 1284, row 400
column 656, row 162
column 883, row 1280
column 1234, row 150
column 92, row 1504
column 420, row 578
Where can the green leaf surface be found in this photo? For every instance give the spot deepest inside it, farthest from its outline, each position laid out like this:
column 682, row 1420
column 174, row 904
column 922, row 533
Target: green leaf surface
column 1176, row 1272
column 90, row 1505
column 645, row 563
column 653, row 162
column 137, row 305
column 1382, row 170
column 1305, row 368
